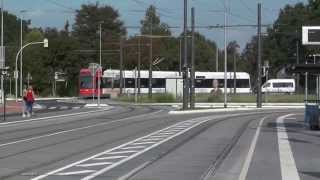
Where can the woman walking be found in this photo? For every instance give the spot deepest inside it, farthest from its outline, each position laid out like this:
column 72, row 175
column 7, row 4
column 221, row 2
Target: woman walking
column 30, row 100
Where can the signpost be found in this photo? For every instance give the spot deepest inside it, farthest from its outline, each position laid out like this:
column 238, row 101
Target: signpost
column 4, row 71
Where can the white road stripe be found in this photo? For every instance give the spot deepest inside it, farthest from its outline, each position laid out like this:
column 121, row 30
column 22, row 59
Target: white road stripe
column 52, row 118
column 143, row 143
column 246, row 165
column 288, row 166
column 77, row 107
column 133, row 147
column 121, row 161
column 52, row 108
column 94, row 164
column 64, row 107
column 122, row 152
column 72, row 130
column 151, row 139
column 76, row 172
column 110, row 157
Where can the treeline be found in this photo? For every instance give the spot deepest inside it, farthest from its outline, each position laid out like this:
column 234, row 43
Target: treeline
column 76, row 45
column 282, row 41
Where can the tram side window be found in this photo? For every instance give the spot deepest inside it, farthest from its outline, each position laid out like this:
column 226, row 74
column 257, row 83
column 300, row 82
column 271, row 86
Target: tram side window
column 240, row 83
column 204, row 83
column 116, row 83
column 243, row 83
column 129, row 83
column 144, row 83
column 86, row 82
column 158, row 83
column 106, row 83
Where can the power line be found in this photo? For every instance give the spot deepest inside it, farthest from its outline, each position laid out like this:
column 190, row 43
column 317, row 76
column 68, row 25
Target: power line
column 60, row 5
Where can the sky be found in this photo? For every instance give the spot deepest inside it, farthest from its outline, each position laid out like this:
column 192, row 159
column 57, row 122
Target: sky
column 54, row 13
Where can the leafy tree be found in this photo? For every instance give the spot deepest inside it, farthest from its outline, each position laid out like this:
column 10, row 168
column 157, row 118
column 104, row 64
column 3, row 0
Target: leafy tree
column 152, row 23
column 86, row 28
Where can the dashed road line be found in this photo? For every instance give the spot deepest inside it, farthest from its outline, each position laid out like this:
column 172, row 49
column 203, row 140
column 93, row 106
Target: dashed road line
column 246, row 165
column 73, row 130
column 130, row 154
column 287, row 163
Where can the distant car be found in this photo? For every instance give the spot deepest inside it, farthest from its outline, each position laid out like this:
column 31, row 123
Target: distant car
column 279, row 86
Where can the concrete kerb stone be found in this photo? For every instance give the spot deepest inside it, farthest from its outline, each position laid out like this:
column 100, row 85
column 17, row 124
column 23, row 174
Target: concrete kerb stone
column 232, row 110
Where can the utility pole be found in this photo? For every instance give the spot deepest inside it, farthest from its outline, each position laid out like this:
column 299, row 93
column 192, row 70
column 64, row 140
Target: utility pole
column 225, row 54
column 150, row 59
column 180, row 55
column 297, row 61
column 121, row 65
column 234, row 74
column 139, row 64
column 100, row 64
column 217, row 59
column 2, row 54
column 185, row 61
column 259, row 99
column 192, row 73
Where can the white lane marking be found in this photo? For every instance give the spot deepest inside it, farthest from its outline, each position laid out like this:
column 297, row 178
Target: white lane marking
column 76, row 172
column 196, row 121
column 246, row 165
column 121, row 152
column 133, row 147
column 143, row 143
column 52, row 108
column 73, row 130
column 64, row 107
column 110, row 158
column 94, row 164
column 288, row 166
column 7, row 124
column 97, row 173
column 151, row 139
column 77, row 107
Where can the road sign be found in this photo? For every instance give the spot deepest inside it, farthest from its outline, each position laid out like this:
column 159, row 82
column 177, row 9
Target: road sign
column 311, row 35
column 16, row 74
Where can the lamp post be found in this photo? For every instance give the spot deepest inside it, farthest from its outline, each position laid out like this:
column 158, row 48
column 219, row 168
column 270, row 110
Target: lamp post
column 21, row 44
column 45, row 43
column 100, row 67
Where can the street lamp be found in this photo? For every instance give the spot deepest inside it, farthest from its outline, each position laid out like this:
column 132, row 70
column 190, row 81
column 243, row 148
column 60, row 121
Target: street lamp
column 45, row 43
column 21, row 44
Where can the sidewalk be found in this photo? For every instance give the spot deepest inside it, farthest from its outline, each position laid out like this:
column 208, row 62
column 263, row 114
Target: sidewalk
column 12, row 107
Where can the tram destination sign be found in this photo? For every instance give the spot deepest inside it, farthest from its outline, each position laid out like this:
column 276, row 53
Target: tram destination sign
column 311, row 35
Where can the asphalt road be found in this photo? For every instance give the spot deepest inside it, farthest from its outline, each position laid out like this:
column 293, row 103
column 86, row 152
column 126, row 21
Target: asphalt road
column 124, row 142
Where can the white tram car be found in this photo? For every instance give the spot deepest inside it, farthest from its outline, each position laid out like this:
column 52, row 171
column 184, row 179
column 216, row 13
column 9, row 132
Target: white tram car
column 172, row 82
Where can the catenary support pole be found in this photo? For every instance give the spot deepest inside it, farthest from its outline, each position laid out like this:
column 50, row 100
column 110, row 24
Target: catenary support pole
column 259, row 99
column 139, row 64
column 121, row 65
column 225, row 54
column 185, row 61
column 192, row 73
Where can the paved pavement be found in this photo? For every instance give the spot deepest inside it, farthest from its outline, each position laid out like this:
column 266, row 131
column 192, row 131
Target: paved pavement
column 141, row 142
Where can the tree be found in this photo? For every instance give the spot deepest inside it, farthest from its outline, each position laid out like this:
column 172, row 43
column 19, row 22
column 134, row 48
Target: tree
column 86, row 28
column 152, row 23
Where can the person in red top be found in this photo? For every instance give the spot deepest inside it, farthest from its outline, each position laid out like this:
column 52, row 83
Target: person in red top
column 29, row 100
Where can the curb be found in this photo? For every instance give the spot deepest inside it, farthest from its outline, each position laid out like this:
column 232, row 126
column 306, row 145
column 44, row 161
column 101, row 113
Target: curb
column 232, row 110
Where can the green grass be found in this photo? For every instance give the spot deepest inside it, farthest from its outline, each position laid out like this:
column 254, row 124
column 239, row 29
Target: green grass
column 247, row 98
column 156, row 98
column 239, row 98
